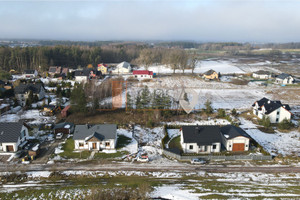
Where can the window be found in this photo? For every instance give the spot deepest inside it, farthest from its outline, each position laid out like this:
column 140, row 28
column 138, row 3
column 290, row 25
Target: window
column 107, row 144
column 246, row 145
column 191, row 146
column 214, row 146
column 81, row 144
column 277, row 119
column 229, row 145
column 277, row 112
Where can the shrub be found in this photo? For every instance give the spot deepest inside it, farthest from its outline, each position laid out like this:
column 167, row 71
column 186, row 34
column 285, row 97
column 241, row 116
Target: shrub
column 285, row 125
column 221, row 112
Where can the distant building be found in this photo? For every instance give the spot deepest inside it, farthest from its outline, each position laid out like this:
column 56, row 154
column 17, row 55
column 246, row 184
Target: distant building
column 53, row 70
column 103, row 68
column 22, row 91
column 284, row 79
column 261, row 74
column 30, row 73
column 122, row 68
column 143, row 74
column 211, row 74
column 65, row 111
column 275, row 110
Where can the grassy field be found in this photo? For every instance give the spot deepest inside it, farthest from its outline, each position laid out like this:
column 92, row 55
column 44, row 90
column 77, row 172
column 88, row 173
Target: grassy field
column 69, row 153
column 197, row 185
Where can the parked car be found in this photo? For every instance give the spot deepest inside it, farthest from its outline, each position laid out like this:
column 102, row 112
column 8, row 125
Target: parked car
column 59, row 136
column 198, row 161
column 50, row 137
column 143, row 159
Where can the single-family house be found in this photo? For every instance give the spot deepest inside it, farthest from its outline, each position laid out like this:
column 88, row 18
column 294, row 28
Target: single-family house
column 64, row 72
column 275, row 110
column 235, row 138
column 22, row 92
column 122, row 68
column 30, row 73
column 95, row 137
column 86, row 74
column 53, row 70
column 103, row 68
column 211, row 74
column 284, row 79
column 65, row 127
column 262, row 74
column 143, row 74
column 200, row 139
column 12, row 136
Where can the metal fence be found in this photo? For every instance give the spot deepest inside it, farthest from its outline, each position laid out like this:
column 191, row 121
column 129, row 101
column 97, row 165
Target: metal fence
column 215, row 157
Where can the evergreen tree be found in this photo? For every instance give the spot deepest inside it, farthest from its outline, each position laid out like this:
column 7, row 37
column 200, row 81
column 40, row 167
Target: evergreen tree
column 145, row 98
column 78, row 99
column 129, row 101
column 208, row 108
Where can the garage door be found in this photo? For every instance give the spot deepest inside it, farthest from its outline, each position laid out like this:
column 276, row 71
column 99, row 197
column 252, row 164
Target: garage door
column 9, row 148
column 238, row 147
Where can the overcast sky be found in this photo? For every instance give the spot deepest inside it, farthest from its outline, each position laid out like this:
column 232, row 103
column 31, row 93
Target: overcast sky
column 198, row 20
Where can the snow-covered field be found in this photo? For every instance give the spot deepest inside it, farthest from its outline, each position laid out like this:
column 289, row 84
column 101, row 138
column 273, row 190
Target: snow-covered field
column 277, row 143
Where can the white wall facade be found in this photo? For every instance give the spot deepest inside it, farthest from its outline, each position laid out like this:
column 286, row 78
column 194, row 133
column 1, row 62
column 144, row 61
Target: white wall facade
column 261, row 76
column 3, row 146
column 100, row 145
column 80, row 79
column 240, row 139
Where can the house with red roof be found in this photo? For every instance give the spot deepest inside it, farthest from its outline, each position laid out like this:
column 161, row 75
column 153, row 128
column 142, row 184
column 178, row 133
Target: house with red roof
column 144, row 74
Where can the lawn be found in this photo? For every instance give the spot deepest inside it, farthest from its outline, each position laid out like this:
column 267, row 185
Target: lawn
column 109, row 155
column 175, row 143
column 122, row 141
column 68, row 153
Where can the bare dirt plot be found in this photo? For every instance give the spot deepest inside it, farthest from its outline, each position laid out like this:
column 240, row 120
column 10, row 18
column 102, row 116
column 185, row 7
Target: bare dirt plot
column 286, row 95
column 4, row 158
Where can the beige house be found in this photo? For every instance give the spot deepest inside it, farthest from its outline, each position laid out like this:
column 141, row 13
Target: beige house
column 211, row 74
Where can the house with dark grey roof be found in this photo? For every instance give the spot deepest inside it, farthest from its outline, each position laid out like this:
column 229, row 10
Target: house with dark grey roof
column 30, row 73
column 86, row 74
column 12, row 136
column 211, row 139
column 22, row 91
column 200, row 139
column 284, row 79
column 211, row 74
column 54, row 70
column 95, row 137
column 262, row 74
column 235, row 138
column 275, row 110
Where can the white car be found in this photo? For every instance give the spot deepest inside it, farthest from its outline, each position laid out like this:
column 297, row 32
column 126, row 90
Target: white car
column 143, row 159
column 198, row 161
column 59, row 136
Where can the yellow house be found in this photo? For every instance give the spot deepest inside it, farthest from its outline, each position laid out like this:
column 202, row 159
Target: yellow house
column 211, row 74
column 103, row 68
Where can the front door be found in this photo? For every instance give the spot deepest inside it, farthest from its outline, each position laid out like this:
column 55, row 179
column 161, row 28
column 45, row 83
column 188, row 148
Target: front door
column 94, row 145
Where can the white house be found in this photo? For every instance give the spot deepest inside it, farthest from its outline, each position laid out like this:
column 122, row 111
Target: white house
column 261, row 74
column 143, row 74
column 122, row 68
column 12, row 135
column 95, row 137
column 30, row 73
column 235, row 138
column 284, row 79
column 200, row 139
column 275, row 110
column 22, row 92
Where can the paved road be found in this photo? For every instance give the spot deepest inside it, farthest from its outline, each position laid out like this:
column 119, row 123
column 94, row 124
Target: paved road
column 97, row 166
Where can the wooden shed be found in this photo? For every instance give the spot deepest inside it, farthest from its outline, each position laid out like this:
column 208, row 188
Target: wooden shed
column 65, row 111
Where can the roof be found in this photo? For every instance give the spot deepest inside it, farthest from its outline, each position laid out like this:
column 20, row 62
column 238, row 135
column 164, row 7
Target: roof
column 143, row 72
column 270, row 106
column 283, row 76
column 65, row 70
column 210, row 72
column 231, row 131
column 52, row 69
column 262, row 72
column 34, row 87
column 66, row 108
column 29, row 71
column 105, row 131
column 123, row 65
column 84, row 72
column 10, row 131
column 202, row 135
column 64, row 125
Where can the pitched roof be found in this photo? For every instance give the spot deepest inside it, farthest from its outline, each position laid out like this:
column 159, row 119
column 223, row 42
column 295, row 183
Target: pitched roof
column 66, row 125
column 34, row 87
column 123, row 65
column 105, row 131
column 270, row 106
column 142, row 72
column 84, row 72
column 52, row 69
column 262, row 72
column 283, row 76
column 10, row 131
column 202, row 135
column 231, row 131
column 210, row 72
column 29, row 71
